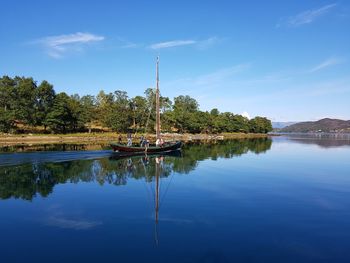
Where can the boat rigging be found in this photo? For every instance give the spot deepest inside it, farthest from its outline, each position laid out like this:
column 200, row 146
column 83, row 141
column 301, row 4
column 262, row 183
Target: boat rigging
column 157, row 148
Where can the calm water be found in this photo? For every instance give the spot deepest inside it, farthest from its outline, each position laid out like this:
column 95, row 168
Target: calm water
column 280, row 200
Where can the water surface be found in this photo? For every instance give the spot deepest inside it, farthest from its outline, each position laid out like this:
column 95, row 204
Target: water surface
column 264, row 200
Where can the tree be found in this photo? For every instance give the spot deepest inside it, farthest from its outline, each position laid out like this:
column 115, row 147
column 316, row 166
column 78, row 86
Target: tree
column 139, row 108
column 115, row 111
column 59, row 118
column 260, row 125
column 121, row 115
column 239, row 124
column 214, row 112
column 7, row 96
column 166, row 107
column 104, row 104
column 24, row 105
column 77, row 117
column 45, row 95
column 22, row 101
column 7, row 120
column 89, row 110
column 185, row 108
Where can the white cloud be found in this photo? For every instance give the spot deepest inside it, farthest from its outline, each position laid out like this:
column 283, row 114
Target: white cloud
column 174, row 43
column 308, row 16
column 206, row 43
column 327, row 63
column 201, row 44
column 57, row 46
column 246, row 114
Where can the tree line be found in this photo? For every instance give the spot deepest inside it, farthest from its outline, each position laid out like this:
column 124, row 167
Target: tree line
column 24, row 102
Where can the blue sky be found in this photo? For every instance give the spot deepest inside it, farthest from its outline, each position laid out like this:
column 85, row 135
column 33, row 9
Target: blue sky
column 289, row 61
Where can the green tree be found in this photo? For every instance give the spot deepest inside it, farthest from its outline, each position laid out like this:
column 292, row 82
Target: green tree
column 185, row 108
column 260, row 125
column 77, row 118
column 115, row 111
column 59, row 118
column 122, row 113
column 239, row 123
column 104, row 104
column 214, row 112
column 24, row 105
column 139, row 109
column 7, row 95
column 7, row 120
column 45, row 95
column 88, row 110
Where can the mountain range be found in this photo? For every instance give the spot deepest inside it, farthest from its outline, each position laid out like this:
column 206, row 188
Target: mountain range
column 323, row 125
column 282, row 124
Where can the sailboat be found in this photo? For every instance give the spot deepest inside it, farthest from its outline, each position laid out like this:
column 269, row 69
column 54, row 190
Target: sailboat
column 166, row 147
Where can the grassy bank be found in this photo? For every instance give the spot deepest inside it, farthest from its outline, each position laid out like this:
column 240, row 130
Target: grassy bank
column 9, row 139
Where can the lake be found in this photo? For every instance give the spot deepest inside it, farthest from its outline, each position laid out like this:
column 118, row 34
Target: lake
column 281, row 199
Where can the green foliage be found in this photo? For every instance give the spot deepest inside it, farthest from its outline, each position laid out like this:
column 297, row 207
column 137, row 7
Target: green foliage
column 7, row 94
column 7, row 120
column 66, row 114
column 260, row 125
column 59, row 116
column 22, row 101
column 88, row 110
column 45, row 95
column 115, row 110
column 139, row 107
column 185, row 109
column 25, row 102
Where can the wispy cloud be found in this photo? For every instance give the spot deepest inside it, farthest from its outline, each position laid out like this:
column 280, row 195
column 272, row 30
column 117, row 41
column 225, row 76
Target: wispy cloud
column 220, row 75
column 125, row 43
column 206, row 43
column 209, row 81
column 174, row 43
column 58, row 46
column 202, row 44
column 303, row 91
column 327, row 63
column 307, row 17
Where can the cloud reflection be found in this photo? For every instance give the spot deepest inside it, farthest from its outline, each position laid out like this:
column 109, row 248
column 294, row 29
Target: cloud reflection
column 66, row 223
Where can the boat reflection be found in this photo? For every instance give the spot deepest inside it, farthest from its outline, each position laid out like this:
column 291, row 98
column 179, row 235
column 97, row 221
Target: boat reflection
column 121, row 155
column 154, row 167
column 26, row 176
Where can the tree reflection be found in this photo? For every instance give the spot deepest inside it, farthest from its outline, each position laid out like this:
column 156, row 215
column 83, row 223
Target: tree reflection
column 26, row 181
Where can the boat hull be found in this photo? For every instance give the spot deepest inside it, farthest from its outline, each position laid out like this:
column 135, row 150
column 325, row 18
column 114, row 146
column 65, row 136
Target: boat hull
column 152, row 149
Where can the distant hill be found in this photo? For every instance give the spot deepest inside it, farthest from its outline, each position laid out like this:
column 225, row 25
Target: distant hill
column 324, row 125
column 282, row 124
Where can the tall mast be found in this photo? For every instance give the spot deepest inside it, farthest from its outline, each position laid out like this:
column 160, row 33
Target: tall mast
column 157, row 102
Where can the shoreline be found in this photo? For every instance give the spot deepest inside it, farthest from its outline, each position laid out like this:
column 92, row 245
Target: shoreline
column 83, row 138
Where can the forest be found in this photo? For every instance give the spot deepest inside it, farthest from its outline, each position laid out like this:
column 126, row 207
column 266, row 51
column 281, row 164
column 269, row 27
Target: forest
column 26, row 106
